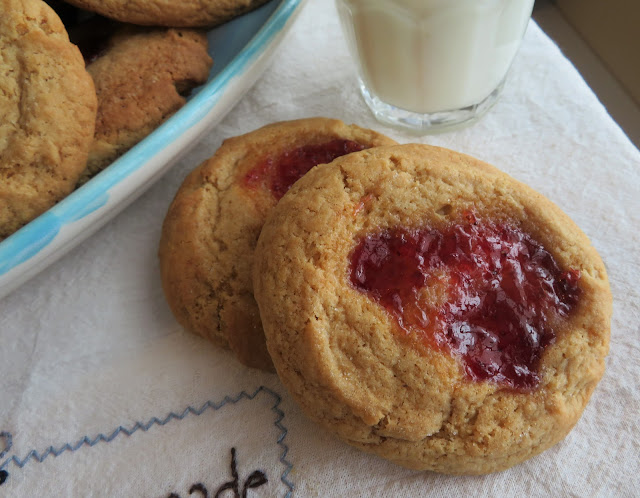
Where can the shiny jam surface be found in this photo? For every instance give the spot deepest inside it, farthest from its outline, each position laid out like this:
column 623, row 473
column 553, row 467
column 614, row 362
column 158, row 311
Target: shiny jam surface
column 485, row 292
column 281, row 173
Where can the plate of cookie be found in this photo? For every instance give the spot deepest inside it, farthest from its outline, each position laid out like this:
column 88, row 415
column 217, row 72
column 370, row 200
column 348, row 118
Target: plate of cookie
column 103, row 99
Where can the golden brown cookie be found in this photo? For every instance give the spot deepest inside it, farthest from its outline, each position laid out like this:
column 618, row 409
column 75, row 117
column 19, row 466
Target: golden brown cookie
column 428, row 308
column 141, row 77
column 176, row 14
column 211, row 228
column 47, row 112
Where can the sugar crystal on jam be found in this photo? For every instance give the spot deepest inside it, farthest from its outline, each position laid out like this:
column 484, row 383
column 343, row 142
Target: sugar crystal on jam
column 281, row 173
column 486, row 292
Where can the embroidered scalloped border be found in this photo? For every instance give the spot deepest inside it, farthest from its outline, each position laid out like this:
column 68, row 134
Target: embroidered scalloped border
column 33, row 455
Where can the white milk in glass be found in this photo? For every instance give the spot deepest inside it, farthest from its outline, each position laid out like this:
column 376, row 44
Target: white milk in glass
column 433, row 56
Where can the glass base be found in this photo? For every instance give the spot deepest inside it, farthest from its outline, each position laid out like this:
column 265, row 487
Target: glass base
column 432, row 122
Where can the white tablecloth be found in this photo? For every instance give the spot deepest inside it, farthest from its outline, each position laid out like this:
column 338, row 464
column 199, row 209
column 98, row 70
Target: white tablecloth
column 103, row 394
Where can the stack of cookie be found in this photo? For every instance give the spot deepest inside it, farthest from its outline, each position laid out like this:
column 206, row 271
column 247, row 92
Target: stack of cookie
column 416, row 302
column 67, row 115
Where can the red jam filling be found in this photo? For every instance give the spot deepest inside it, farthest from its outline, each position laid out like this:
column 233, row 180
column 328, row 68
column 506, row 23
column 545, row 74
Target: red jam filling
column 281, row 173
column 486, row 292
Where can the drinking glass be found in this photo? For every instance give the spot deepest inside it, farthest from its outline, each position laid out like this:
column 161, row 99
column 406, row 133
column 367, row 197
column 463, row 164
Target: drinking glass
column 429, row 65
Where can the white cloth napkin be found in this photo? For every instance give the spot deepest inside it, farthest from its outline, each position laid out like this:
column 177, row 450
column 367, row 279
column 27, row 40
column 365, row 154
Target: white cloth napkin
column 103, row 394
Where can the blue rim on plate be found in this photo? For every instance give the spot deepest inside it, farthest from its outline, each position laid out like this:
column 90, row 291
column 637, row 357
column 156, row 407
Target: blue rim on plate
column 237, row 65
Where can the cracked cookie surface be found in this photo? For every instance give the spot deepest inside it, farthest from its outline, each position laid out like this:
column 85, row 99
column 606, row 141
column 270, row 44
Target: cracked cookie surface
column 47, row 112
column 140, row 77
column 211, row 228
column 342, row 355
column 185, row 13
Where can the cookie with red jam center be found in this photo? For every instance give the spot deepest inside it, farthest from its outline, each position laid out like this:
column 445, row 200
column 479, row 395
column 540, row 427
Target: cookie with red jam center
column 433, row 310
column 211, row 228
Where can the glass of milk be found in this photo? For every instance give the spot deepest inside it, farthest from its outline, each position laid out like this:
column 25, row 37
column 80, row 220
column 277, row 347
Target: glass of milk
column 429, row 65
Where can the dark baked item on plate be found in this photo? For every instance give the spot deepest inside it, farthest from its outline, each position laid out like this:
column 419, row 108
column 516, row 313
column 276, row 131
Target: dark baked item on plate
column 211, row 228
column 170, row 13
column 428, row 308
column 141, row 76
column 47, row 112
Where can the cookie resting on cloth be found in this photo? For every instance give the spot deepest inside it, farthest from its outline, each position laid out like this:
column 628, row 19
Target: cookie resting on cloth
column 211, row 228
column 428, row 308
column 47, row 112
column 183, row 13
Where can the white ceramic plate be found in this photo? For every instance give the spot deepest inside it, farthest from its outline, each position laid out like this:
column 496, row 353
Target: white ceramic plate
column 241, row 50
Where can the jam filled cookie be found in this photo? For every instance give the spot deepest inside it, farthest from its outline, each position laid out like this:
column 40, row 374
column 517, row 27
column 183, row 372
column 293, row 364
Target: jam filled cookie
column 211, row 228
column 176, row 14
column 141, row 77
column 47, row 112
column 428, row 308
